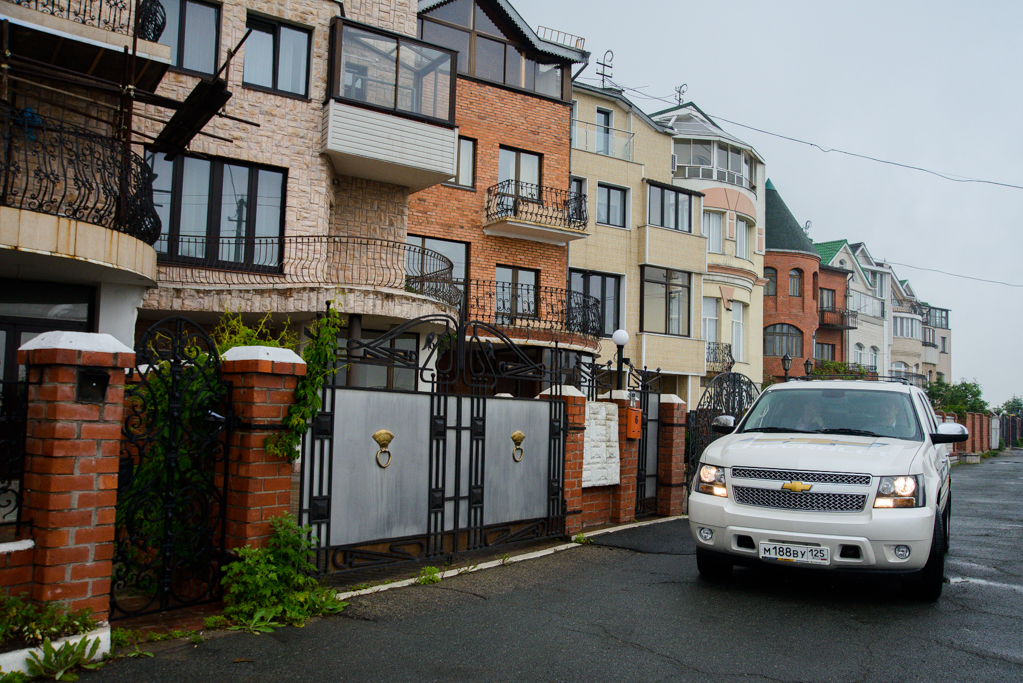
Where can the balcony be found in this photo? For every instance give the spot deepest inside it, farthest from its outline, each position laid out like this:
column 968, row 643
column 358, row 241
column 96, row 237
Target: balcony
column 314, row 261
column 611, row 142
column 390, row 107
column 719, row 357
column 534, row 212
column 837, row 318
column 913, row 378
column 528, row 307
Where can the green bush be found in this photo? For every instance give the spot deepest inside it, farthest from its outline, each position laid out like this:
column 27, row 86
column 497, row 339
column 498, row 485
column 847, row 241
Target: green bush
column 30, row 624
column 275, row 582
column 1001, row 444
column 231, row 331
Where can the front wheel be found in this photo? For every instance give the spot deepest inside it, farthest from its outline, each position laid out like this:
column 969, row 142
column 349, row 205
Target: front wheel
column 928, row 583
column 712, row 566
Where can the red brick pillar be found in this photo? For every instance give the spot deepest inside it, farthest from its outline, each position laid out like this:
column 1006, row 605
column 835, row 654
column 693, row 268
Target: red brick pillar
column 263, row 382
column 575, row 410
column 73, row 446
column 671, row 456
column 623, row 496
column 17, row 561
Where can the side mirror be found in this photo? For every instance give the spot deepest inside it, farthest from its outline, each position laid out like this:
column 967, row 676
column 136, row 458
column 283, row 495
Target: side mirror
column 723, row 424
column 950, row 432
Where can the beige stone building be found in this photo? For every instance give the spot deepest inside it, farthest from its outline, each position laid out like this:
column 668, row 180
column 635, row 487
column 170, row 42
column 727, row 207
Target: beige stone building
column 645, row 258
column 731, row 176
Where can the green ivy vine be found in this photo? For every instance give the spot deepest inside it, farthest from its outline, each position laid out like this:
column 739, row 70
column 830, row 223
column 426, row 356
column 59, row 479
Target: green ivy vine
column 320, row 356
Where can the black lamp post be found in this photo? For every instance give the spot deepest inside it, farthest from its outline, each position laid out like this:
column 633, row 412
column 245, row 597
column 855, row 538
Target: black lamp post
column 786, row 365
column 808, row 366
column 620, row 338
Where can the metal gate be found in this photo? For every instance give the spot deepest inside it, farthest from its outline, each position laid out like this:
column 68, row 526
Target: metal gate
column 730, row 393
column 172, row 479
column 395, row 475
column 13, row 421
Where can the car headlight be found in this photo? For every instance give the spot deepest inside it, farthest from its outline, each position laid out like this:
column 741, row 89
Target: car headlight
column 899, row 492
column 712, row 480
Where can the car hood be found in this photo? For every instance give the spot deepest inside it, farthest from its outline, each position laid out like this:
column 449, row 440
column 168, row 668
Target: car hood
column 817, row 452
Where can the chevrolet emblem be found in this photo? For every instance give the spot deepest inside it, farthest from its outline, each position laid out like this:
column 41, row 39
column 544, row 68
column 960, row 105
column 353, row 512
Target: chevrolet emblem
column 797, row 486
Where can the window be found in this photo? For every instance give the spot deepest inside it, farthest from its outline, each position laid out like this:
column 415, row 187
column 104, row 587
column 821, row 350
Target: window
column 466, row 163
column 603, row 287
column 771, row 288
column 866, row 304
column 712, row 160
column 741, row 239
column 929, row 337
column 860, row 354
column 218, row 211
column 381, row 375
column 899, row 369
column 738, row 334
column 827, row 298
column 872, row 356
column 815, row 289
column 605, row 135
column 781, row 339
column 878, row 284
column 712, row 229
column 577, row 199
column 277, row 57
column 486, row 52
column 193, row 35
column 824, row 351
column 521, row 171
column 795, row 282
column 515, row 294
column 908, row 328
column 611, row 205
column 457, row 252
column 709, row 324
column 944, row 344
column 665, row 301
column 669, row 209
column 392, row 72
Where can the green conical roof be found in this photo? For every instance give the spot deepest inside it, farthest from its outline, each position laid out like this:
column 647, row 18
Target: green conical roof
column 783, row 231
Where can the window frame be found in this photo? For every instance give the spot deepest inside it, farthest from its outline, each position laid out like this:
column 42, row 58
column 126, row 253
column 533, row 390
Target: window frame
column 644, row 317
column 180, row 50
column 456, row 182
column 796, row 283
column 742, row 227
column 818, row 347
column 625, row 205
column 519, row 193
column 739, row 331
column 704, row 318
column 782, row 338
column 714, row 237
column 605, row 279
column 277, row 24
column 771, row 286
column 683, row 216
column 509, row 317
column 604, row 132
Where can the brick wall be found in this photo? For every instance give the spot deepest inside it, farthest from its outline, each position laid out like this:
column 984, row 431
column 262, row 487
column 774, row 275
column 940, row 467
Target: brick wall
column 798, row 311
column 17, row 565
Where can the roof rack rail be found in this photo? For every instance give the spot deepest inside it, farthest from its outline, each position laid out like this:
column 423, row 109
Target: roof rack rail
column 865, row 378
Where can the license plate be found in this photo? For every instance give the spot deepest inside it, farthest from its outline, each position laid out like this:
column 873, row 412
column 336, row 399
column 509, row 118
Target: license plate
column 802, row 554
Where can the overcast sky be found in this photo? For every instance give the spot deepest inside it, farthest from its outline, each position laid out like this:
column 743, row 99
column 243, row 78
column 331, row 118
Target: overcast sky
column 933, row 84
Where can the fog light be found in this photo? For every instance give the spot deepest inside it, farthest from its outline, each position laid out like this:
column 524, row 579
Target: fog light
column 705, row 534
column 902, row 552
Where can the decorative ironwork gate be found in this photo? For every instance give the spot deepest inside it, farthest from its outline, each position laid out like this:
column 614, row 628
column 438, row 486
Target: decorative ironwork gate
column 730, row 393
column 456, row 467
column 13, row 420
column 173, row 474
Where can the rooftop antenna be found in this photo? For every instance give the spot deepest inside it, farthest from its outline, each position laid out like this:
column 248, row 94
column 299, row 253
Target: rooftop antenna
column 606, row 68
column 806, row 228
column 680, row 91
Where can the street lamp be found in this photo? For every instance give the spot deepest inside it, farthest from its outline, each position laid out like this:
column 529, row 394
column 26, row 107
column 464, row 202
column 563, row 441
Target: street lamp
column 808, row 366
column 786, row 365
column 620, row 339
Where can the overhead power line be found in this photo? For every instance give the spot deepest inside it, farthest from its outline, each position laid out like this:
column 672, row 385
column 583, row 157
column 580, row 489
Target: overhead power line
column 965, row 277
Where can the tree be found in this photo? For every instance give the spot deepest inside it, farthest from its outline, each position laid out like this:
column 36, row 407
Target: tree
column 1014, row 406
column 960, row 398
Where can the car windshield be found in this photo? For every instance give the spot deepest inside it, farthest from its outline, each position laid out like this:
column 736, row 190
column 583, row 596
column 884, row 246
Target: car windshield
column 853, row 412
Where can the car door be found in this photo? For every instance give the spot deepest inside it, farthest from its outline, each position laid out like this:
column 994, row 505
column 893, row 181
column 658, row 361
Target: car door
column 938, row 453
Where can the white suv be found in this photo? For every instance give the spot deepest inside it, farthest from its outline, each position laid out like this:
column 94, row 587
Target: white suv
column 830, row 474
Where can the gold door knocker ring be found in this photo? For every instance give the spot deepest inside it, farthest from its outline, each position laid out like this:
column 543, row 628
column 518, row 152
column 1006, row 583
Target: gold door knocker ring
column 518, row 437
column 383, row 438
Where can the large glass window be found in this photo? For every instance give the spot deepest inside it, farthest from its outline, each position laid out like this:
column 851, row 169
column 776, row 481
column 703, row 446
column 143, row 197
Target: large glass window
column 486, row 50
column 712, row 228
column 277, row 57
column 741, row 239
column 739, row 331
column 709, row 323
column 824, row 351
column 611, row 205
column 712, row 160
column 909, row 328
column 456, row 252
column 827, row 298
column 516, row 294
column 522, row 170
column 193, row 35
column 223, row 212
column 669, row 209
column 392, row 72
column 604, row 287
column 665, row 301
column 577, row 200
column 605, row 132
column 781, row 339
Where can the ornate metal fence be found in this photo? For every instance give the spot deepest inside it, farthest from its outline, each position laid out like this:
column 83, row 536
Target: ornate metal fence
column 532, row 307
column 52, row 167
column 109, row 15
column 719, row 357
column 13, row 420
column 538, row 204
column 730, row 393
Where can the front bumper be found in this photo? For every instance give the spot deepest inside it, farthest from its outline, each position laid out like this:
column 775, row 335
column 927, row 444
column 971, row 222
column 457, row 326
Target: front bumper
column 866, row 539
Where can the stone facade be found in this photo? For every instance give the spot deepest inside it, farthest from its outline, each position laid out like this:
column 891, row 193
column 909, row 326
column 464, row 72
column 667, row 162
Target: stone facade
column 601, row 461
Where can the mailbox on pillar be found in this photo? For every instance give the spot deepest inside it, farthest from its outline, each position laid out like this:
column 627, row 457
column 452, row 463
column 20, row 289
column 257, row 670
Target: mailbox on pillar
column 633, row 423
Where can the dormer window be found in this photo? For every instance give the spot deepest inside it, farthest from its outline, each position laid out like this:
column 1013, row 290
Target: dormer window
column 712, row 160
column 489, row 49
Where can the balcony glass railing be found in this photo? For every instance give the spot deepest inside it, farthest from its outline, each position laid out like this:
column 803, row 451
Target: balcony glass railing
column 611, row 142
column 391, row 72
column 110, row 15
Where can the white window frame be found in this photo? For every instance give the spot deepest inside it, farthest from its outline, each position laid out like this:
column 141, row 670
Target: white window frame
column 714, row 233
column 859, row 354
column 738, row 331
column 709, row 304
column 742, row 239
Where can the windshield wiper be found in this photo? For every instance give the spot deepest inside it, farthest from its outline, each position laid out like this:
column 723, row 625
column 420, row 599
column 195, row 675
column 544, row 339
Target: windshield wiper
column 851, row 432
column 786, row 430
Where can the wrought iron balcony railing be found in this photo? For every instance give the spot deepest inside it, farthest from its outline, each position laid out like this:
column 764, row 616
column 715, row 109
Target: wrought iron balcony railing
column 52, row 167
column 837, row 318
column 532, row 307
column 914, row 378
column 314, row 260
column 719, row 357
column 611, row 142
column 548, row 206
column 110, row 15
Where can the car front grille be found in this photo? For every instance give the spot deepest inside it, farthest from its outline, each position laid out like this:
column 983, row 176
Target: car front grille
column 791, row 475
column 810, row 502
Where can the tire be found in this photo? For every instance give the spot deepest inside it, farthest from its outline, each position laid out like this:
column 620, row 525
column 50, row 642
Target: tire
column 712, row 567
column 927, row 585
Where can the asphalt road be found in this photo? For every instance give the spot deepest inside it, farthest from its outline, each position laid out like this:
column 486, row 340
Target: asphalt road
column 632, row 608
